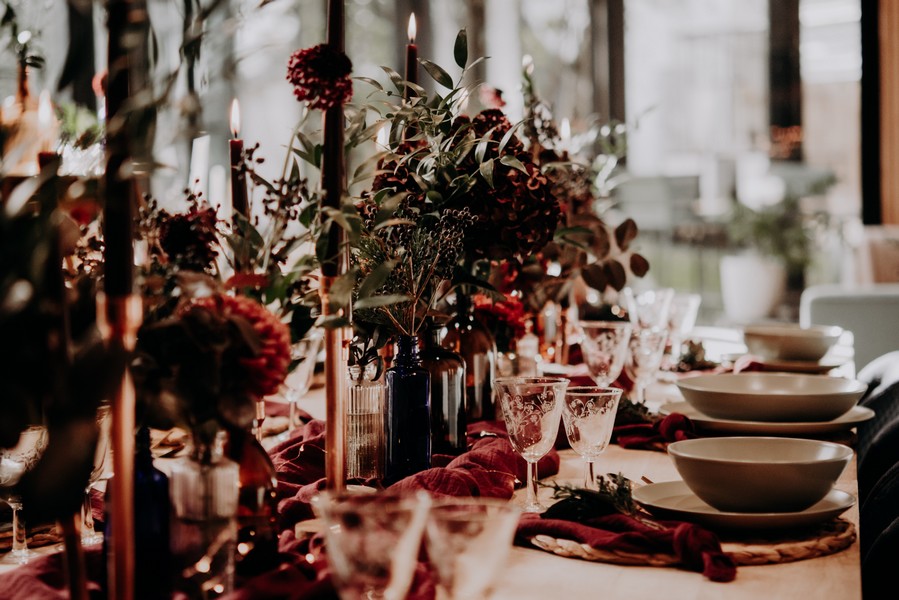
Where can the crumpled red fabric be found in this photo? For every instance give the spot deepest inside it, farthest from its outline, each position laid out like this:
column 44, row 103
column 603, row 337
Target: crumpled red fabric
column 490, row 468
column 696, row 548
column 656, row 435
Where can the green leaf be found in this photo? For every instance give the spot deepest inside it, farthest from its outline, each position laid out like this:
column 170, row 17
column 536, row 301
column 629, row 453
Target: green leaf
column 511, row 161
column 460, row 48
column 372, row 82
column 437, row 73
column 486, row 169
column 376, row 279
column 395, row 78
column 379, row 301
column 508, row 136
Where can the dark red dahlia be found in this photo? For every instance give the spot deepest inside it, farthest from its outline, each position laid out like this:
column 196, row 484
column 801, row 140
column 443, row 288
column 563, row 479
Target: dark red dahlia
column 264, row 372
column 321, row 76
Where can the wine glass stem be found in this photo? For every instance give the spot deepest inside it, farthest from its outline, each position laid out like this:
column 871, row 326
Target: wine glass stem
column 87, row 515
column 589, row 476
column 639, row 391
column 532, row 484
column 19, row 534
column 260, row 417
column 291, row 413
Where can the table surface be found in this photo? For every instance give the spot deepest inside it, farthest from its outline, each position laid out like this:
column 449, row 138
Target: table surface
column 533, row 573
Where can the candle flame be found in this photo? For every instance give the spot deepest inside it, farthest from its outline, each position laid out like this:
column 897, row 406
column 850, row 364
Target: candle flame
column 412, row 30
column 527, row 63
column 383, row 137
column 565, row 130
column 45, row 111
column 235, row 118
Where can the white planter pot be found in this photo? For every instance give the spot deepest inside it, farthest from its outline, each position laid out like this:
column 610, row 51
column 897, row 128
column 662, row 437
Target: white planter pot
column 751, row 286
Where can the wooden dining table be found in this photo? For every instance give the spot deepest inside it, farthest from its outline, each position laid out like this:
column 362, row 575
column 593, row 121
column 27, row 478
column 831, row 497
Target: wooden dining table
column 538, row 574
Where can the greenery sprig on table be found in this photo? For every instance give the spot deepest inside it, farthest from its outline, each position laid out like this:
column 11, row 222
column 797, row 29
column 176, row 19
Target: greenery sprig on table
column 614, row 494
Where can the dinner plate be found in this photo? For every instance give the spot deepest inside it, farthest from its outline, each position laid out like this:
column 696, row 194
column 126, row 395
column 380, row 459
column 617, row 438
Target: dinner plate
column 813, row 367
column 673, row 499
column 855, row 415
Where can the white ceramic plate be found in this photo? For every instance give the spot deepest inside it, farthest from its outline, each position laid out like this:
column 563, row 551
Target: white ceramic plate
column 857, row 414
column 673, row 499
column 801, row 366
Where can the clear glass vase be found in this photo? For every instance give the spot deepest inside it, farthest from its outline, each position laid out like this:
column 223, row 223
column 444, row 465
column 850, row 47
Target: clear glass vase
column 204, row 492
column 365, row 451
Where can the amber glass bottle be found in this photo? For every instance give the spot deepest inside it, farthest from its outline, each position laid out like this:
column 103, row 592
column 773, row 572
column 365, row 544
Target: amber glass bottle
column 257, row 528
column 474, row 342
column 448, row 418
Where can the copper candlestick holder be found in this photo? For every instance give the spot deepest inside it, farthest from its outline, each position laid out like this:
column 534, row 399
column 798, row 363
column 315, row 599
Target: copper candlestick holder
column 119, row 318
column 336, row 358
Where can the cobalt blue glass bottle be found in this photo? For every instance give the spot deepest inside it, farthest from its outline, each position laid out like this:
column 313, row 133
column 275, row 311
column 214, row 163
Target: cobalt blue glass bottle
column 408, row 413
column 152, row 555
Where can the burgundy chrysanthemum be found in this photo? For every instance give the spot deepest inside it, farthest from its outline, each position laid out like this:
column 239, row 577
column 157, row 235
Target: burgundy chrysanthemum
column 189, row 239
column 321, row 76
column 265, row 372
column 518, row 214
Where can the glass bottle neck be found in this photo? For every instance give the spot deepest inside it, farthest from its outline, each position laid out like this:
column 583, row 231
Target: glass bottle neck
column 407, row 350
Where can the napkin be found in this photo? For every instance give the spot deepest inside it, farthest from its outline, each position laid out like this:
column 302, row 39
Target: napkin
column 696, row 548
column 654, row 435
column 489, row 468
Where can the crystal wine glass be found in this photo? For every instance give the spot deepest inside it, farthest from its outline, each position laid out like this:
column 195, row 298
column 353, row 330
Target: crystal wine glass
column 372, row 541
column 648, row 308
column 299, row 380
column 532, row 409
column 681, row 318
column 589, row 416
column 604, row 345
column 647, row 346
column 15, row 462
column 89, row 535
column 468, row 540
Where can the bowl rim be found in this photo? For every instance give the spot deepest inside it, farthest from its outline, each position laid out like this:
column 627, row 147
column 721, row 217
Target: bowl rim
column 692, row 384
column 680, row 449
column 792, row 330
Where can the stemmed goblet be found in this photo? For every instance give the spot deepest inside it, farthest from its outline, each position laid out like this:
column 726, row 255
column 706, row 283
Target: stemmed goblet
column 532, row 409
column 299, row 380
column 648, row 308
column 647, row 346
column 15, row 462
column 589, row 416
column 372, row 541
column 468, row 540
column 89, row 535
column 604, row 345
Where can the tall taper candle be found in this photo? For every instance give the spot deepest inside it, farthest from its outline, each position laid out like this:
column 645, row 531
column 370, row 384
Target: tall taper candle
column 239, row 202
column 118, row 308
column 411, row 55
column 333, row 182
column 118, row 214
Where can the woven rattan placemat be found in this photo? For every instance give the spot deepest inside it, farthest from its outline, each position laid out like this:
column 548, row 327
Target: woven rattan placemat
column 759, row 549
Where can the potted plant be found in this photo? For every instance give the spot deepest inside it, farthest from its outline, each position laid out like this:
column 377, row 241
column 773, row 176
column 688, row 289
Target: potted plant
column 775, row 245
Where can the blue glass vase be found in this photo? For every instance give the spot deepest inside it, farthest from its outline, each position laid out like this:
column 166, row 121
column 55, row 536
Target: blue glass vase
column 408, row 413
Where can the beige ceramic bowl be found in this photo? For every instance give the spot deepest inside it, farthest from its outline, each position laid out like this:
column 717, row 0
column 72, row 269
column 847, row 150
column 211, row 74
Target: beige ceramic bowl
column 790, row 342
column 771, row 397
column 759, row 474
